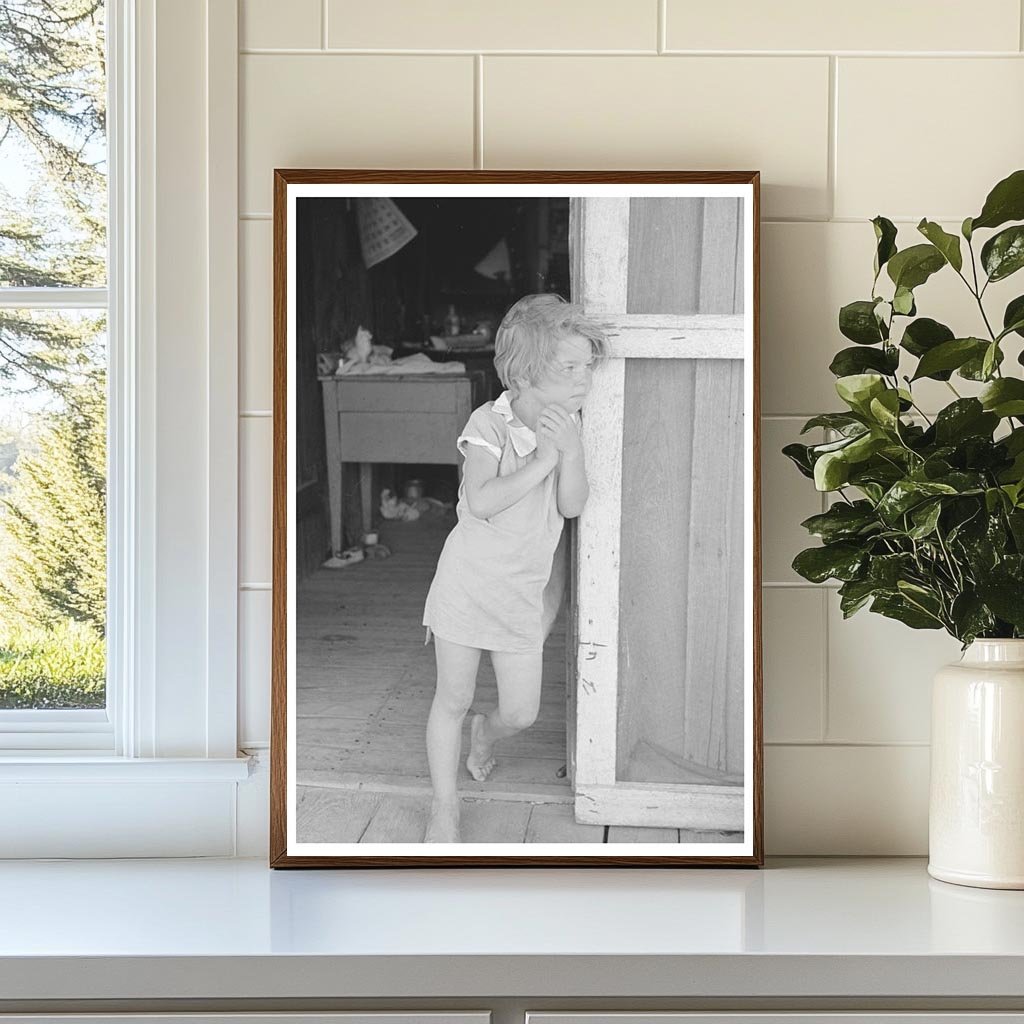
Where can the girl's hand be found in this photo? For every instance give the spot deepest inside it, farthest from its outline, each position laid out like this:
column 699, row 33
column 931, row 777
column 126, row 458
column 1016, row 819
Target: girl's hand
column 546, row 447
column 556, row 425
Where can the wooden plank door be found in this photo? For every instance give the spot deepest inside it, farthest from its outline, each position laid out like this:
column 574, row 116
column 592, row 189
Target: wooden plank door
column 663, row 630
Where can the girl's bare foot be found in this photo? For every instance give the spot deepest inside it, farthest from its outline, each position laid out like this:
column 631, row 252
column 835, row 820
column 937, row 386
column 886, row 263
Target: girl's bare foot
column 480, row 760
column 443, row 826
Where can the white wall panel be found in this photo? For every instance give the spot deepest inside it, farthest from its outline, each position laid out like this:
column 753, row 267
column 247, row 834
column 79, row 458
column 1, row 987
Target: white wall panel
column 471, row 25
column 876, row 25
column 351, row 111
column 961, row 130
column 686, row 113
column 256, row 307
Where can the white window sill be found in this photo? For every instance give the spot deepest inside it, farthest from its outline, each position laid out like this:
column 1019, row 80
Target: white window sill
column 199, row 931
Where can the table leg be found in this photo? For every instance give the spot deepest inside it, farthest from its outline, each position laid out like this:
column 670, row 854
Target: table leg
column 366, row 489
column 333, row 439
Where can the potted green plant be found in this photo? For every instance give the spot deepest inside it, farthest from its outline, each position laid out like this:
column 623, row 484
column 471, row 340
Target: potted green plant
column 927, row 522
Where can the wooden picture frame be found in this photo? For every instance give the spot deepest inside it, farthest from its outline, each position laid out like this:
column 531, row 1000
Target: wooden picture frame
column 662, row 623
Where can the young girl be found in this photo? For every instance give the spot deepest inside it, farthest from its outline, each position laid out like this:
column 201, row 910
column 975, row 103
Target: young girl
column 498, row 583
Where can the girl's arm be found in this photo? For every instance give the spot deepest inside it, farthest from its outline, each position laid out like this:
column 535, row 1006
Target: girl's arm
column 487, row 493
column 572, row 490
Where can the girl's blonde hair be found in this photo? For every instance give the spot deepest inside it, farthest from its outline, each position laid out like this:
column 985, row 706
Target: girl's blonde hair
column 525, row 343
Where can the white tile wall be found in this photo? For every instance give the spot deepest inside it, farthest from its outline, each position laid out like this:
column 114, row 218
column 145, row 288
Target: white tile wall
column 254, row 608
column 471, row 25
column 970, row 110
column 793, row 627
column 873, row 25
column 255, row 514
column 261, row 26
column 909, row 111
column 336, row 110
column 256, row 307
column 697, row 113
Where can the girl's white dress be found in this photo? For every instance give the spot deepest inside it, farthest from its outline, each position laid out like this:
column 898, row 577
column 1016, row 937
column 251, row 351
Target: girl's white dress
column 499, row 580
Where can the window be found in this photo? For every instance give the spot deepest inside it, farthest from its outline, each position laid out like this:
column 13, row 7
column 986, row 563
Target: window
column 169, row 291
column 53, row 372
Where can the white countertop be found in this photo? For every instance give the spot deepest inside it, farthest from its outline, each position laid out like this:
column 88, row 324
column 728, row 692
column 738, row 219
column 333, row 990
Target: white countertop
column 234, row 928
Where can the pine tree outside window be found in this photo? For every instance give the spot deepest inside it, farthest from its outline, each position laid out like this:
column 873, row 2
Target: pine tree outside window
column 53, row 369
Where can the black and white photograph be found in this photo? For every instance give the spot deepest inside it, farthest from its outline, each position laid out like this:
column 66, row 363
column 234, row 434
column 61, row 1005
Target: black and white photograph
column 516, row 568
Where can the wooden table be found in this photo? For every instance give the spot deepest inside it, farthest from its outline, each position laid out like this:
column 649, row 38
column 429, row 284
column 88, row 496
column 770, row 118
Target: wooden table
column 390, row 418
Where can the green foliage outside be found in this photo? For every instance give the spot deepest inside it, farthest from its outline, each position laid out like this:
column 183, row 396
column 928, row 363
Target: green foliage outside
column 52, row 470
column 928, row 523
column 60, row 667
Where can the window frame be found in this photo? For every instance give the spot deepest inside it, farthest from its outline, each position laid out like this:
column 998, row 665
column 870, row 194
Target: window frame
column 172, row 518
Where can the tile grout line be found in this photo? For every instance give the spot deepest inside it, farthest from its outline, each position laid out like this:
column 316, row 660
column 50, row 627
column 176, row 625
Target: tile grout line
column 846, row 744
column 1020, row 24
column 323, row 24
column 478, row 111
column 336, row 51
column 824, row 713
column 831, row 170
column 825, row 723
column 662, row 41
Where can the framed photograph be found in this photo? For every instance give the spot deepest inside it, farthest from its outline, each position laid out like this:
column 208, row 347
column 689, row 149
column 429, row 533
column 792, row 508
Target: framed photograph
column 516, row 556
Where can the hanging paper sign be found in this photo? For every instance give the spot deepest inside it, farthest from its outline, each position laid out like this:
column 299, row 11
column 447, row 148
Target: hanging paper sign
column 383, row 229
column 496, row 264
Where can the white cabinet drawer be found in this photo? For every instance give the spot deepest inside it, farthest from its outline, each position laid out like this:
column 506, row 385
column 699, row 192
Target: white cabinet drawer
column 790, row 1017
column 355, row 1017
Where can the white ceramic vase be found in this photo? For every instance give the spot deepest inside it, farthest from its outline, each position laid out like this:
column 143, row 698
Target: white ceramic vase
column 976, row 808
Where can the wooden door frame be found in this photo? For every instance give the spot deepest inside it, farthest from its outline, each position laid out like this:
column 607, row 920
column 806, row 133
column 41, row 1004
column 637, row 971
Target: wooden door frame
column 599, row 241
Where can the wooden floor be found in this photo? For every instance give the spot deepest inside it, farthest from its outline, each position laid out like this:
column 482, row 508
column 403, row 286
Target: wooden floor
column 365, row 682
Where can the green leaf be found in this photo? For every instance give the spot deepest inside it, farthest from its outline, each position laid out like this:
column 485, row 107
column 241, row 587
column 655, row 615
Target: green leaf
column 841, row 421
column 885, row 409
column 831, row 471
column 922, row 336
column 864, row 446
column 1005, row 596
column 1013, row 318
column 1003, row 254
column 842, row 521
column 841, row 561
column 885, row 235
column 899, row 608
column 925, row 518
column 858, row 389
column 887, row 570
column 990, row 360
column 903, row 302
column 799, row 454
column 1005, row 202
column 950, row 355
column 912, row 267
column 854, row 594
column 905, row 494
column 966, row 417
column 965, row 228
column 947, row 244
column 974, row 368
column 1004, row 397
column 857, row 321
column 849, row 361
column 970, row 616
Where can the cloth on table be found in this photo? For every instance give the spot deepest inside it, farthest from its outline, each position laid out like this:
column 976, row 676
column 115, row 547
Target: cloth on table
column 416, row 363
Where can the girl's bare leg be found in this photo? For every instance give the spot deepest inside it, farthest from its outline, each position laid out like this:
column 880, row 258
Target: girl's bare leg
column 519, row 678
column 456, row 682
